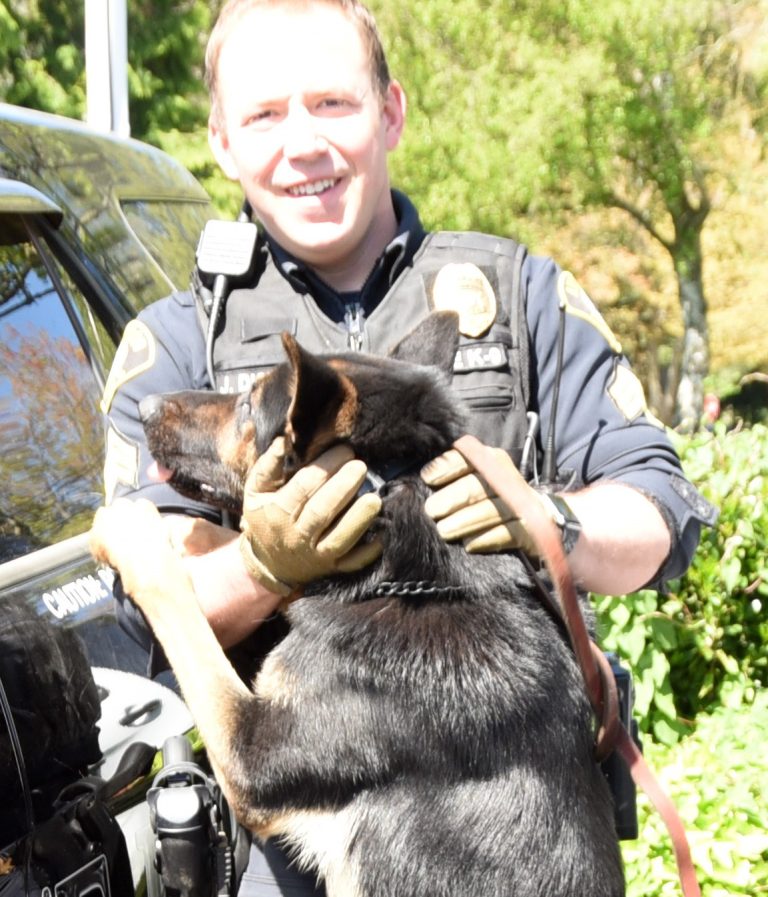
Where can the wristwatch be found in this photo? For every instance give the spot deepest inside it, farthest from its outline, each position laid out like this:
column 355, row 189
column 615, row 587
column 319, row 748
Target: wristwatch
column 567, row 522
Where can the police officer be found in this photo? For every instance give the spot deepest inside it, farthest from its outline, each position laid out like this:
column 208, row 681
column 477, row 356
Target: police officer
column 303, row 115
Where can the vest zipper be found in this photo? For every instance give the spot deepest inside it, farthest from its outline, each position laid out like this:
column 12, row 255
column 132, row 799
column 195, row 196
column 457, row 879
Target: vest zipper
column 354, row 319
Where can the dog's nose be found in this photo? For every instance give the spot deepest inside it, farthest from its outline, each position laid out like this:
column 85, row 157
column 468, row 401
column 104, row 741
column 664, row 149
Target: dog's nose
column 149, row 406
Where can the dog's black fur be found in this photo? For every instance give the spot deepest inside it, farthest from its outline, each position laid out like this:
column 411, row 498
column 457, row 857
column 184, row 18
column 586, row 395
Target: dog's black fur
column 433, row 742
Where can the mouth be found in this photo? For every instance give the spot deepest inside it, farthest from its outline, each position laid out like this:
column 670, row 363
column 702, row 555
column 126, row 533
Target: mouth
column 312, row 188
column 226, row 494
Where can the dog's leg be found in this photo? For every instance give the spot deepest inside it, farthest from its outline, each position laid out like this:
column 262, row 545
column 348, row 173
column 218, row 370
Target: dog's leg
column 132, row 538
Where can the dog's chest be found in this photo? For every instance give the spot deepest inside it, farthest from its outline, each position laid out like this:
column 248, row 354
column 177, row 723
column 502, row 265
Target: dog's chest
column 320, row 842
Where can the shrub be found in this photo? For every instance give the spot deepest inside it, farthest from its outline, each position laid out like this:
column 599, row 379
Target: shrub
column 706, row 641
column 719, row 780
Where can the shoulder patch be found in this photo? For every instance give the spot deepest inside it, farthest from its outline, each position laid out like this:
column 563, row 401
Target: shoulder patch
column 121, row 464
column 705, row 511
column 135, row 354
column 462, row 287
column 627, row 394
column 576, row 302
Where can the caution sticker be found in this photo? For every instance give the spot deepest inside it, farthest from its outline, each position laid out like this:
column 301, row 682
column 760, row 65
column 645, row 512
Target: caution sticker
column 135, row 354
column 576, row 302
column 121, row 465
column 462, row 287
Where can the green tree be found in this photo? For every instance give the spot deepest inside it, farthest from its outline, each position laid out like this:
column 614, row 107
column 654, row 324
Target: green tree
column 41, row 55
column 42, row 60
column 520, row 109
column 678, row 85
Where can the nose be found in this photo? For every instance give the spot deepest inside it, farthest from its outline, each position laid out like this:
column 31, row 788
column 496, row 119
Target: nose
column 302, row 138
column 149, row 406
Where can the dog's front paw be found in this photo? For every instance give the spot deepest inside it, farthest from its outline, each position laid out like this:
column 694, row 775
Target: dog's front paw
column 131, row 537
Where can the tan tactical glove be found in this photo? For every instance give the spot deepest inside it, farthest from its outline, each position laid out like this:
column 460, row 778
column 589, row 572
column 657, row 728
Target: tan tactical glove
column 466, row 508
column 310, row 527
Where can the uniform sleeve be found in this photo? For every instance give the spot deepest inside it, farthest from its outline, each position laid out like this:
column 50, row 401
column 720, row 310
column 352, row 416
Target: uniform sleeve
column 603, row 429
column 163, row 350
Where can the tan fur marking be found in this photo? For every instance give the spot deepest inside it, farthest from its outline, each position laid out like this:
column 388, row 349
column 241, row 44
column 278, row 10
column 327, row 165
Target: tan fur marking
column 237, row 450
column 349, row 410
column 274, row 682
column 342, row 425
column 322, row 839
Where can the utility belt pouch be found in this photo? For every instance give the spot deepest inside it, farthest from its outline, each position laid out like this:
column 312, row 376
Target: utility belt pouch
column 614, row 769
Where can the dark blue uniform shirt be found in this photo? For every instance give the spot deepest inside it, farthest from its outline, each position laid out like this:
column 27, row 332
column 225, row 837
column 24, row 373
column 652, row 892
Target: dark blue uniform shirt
column 603, row 432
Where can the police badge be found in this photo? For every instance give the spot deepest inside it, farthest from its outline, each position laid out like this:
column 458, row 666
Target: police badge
column 463, row 288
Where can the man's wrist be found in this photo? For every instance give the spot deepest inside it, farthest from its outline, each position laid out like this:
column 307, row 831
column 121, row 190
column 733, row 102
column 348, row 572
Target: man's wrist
column 565, row 519
column 259, row 571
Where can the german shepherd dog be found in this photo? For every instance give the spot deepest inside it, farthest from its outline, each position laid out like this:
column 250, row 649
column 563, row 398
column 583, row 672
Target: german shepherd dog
column 422, row 731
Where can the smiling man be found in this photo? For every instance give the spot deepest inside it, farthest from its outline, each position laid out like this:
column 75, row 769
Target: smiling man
column 304, row 115
column 308, row 140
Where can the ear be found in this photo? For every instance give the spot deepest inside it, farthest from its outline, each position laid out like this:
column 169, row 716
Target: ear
column 322, row 404
column 219, row 144
column 434, row 341
column 394, row 114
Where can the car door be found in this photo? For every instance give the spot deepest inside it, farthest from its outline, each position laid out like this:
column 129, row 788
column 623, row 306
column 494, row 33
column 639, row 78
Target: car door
column 75, row 692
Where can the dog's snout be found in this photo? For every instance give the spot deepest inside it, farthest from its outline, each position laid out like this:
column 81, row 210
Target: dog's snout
column 149, row 406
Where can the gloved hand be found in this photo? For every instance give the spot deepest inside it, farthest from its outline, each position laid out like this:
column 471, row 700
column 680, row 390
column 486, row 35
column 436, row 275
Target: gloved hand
column 466, row 508
column 310, row 527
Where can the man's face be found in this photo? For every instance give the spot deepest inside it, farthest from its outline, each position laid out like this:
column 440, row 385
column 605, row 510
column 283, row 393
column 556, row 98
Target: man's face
column 307, row 134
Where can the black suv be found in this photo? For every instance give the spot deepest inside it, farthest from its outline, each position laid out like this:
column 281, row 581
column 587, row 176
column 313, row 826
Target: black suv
column 92, row 228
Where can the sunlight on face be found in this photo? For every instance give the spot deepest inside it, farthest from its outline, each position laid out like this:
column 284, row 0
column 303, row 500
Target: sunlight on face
column 306, row 133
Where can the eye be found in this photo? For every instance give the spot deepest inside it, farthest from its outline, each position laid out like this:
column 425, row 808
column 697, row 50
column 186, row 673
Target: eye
column 261, row 119
column 334, row 105
column 243, row 410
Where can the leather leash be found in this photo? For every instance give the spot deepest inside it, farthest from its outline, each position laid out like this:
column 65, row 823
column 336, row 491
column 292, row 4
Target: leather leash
column 512, row 489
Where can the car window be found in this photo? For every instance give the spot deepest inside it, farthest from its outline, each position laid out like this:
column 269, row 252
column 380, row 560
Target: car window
column 50, row 427
column 169, row 231
column 14, row 813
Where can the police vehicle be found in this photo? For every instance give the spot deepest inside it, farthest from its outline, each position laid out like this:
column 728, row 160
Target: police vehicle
column 92, row 228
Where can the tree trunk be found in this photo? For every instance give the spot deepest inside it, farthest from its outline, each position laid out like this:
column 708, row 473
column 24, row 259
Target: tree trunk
column 694, row 366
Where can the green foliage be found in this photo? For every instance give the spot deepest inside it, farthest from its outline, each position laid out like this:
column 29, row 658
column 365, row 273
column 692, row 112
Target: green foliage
column 166, row 66
column 41, row 55
column 706, row 642
column 42, row 61
column 718, row 779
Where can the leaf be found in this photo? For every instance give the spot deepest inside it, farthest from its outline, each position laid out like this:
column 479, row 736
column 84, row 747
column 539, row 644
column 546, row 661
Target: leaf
column 631, row 644
column 667, row 732
column 620, row 615
column 664, row 633
column 664, row 702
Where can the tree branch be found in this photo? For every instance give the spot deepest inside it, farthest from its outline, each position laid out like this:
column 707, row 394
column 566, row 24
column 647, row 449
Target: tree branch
column 640, row 217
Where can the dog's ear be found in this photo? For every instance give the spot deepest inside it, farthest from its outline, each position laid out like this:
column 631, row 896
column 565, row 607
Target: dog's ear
column 322, row 403
column 434, row 341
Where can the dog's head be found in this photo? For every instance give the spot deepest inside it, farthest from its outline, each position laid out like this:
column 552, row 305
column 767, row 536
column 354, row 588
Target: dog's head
column 393, row 410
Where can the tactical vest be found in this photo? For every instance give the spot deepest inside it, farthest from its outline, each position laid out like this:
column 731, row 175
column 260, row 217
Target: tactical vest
column 491, row 372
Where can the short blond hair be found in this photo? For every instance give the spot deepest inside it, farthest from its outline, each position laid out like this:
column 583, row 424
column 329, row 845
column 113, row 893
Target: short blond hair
column 234, row 10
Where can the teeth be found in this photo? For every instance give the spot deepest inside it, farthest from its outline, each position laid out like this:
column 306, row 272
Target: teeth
column 312, row 189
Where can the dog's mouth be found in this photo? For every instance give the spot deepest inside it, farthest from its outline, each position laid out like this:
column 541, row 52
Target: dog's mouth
column 181, row 433
column 159, row 474
column 228, row 497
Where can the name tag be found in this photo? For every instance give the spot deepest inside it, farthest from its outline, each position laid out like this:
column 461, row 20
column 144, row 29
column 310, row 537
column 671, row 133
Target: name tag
column 480, row 357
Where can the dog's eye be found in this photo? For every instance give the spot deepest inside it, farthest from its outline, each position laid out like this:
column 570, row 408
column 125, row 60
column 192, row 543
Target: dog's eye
column 243, row 410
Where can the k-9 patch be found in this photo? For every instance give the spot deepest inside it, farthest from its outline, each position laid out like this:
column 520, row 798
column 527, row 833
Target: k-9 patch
column 480, row 357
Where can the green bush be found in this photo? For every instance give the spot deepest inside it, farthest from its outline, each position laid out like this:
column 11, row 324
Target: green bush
column 706, row 641
column 718, row 778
